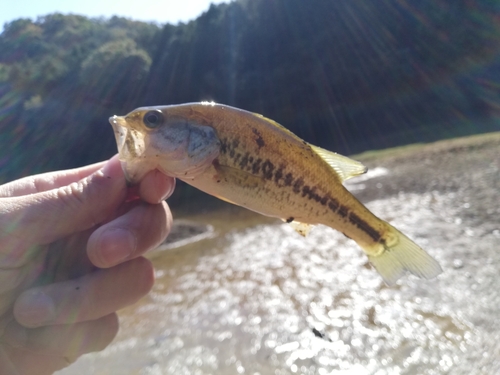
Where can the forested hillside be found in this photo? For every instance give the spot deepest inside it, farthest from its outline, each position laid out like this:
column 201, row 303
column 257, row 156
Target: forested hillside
column 346, row 75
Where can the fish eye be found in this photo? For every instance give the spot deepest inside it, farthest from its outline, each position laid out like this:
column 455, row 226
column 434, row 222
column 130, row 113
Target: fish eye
column 153, row 119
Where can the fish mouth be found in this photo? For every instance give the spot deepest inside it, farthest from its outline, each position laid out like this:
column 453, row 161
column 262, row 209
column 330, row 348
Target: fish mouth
column 119, row 128
column 121, row 132
column 131, row 149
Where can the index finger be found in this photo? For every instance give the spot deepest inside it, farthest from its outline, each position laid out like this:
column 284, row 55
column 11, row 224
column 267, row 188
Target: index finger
column 47, row 181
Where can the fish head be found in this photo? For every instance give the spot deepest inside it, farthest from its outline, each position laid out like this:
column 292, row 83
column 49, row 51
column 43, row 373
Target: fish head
column 165, row 138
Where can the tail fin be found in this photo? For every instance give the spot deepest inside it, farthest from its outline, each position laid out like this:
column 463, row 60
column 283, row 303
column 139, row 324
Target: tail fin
column 404, row 255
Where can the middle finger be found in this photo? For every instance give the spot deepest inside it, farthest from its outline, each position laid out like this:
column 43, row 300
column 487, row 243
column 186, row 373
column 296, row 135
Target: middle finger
column 126, row 237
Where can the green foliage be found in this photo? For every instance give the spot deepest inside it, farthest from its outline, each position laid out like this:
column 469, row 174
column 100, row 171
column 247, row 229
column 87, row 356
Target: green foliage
column 4, row 73
column 21, row 40
column 114, row 70
column 46, row 53
column 63, row 76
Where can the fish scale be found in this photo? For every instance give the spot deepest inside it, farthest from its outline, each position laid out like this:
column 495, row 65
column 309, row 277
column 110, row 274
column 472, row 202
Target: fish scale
column 249, row 160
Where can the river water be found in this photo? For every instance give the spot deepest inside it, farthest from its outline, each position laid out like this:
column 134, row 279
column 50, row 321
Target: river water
column 257, row 298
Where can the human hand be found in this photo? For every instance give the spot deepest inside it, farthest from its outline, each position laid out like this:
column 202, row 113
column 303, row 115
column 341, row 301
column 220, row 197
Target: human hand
column 70, row 257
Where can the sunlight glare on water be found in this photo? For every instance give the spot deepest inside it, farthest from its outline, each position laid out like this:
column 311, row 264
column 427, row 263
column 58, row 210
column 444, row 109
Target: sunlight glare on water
column 266, row 300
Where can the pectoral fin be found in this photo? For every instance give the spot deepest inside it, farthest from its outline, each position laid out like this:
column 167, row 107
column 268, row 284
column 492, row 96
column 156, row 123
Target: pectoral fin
column 230, row 175
column 342, row 165
column 233, row 176
column 225, row 199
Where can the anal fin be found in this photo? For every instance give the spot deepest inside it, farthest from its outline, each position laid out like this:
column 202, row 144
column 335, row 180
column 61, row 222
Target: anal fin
column 301, row 228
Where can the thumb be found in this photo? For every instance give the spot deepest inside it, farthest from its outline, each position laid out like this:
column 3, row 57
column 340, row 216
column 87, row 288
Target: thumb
column 41, row 218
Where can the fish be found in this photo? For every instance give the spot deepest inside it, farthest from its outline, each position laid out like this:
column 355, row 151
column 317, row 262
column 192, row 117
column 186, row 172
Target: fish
column 249, row 160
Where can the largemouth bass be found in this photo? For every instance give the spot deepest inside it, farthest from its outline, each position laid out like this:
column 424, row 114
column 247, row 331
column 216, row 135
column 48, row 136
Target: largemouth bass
column 251, row 161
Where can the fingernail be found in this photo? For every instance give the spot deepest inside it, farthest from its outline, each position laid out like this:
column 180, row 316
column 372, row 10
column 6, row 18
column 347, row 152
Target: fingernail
column 170, row 191
column 117, row 245
column 34, row 308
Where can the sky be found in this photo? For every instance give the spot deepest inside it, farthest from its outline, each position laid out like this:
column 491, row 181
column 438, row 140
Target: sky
column 172, row 11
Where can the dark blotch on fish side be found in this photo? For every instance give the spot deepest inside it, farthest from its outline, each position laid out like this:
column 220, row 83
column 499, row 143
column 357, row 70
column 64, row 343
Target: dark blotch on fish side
column 267, row 169
column 364, row 226
column 289, row 220
column 288, row 179
column 230, row 147
column 223, row 145
column 343, row 211
column 333, row 204
column 297, row 185
column 259, row 140
column 311, row 193
column 256, row 166
column 305, row 190
column 314, row 195
column 278, row 175
column 244, row 161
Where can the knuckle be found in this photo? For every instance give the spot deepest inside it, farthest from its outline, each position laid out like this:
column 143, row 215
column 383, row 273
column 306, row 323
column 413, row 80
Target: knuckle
column 75, row 197
column 16, row 245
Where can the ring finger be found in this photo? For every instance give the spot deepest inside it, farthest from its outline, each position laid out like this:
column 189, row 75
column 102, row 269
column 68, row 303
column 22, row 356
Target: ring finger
column 140, row 229
column 86, row 298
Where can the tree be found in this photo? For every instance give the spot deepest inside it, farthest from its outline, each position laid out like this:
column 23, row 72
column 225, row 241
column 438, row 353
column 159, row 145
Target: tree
column 114, row 72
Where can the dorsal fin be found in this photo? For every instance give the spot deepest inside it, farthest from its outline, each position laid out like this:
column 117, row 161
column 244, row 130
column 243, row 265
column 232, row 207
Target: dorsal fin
column 345, row 167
